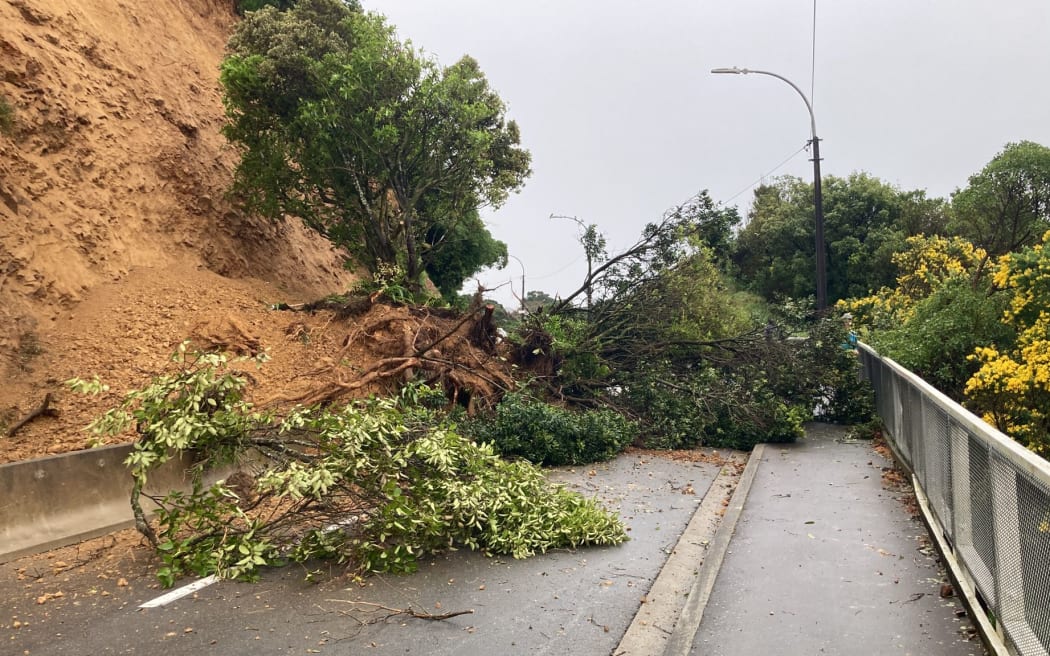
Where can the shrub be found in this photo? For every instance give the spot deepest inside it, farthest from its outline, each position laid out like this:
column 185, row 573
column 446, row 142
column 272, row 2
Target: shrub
column 527, row 428
column 1011, row 389
column 944, row 329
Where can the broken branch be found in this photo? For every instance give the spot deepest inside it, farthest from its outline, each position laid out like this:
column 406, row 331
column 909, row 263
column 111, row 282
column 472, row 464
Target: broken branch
column 44, row 409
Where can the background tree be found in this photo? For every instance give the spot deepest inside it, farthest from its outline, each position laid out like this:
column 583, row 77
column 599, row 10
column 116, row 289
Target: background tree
column 1007, row 205
column 455, row 252
column 773, row 253
column 372, row 144
column 866, row 222
column 713, row 226
column 536, row 299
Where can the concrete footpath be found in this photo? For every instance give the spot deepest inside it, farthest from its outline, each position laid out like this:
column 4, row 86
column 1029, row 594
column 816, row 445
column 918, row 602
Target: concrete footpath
column 826, row 559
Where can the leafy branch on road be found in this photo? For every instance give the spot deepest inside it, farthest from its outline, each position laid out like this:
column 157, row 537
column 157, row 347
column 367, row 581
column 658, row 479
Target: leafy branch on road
column 377, row 484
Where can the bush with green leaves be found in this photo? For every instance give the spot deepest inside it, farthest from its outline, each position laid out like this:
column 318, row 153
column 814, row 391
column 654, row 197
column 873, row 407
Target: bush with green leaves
column 944, row 329
column 378, row 484
column 539, row 432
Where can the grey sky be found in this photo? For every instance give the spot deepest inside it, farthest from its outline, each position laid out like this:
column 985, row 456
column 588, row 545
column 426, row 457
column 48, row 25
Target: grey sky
column 624, row 120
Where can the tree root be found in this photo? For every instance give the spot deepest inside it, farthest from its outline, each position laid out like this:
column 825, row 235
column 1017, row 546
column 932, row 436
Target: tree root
column 455, row 352
column 42, row 410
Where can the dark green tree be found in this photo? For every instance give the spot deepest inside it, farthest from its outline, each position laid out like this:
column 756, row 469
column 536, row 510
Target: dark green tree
column 1006, row 206
column 536, row 299
column 459, row 250
column 371, row 143
column 866, row 221
column 712, row 225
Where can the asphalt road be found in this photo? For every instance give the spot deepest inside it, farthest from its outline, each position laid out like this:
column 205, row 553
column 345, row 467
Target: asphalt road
column 578, row 602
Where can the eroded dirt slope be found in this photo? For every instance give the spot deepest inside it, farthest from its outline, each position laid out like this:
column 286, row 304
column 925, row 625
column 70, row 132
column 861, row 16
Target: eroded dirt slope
column 116, row 239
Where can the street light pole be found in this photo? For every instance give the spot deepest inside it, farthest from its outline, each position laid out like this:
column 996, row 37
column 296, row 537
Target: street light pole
column 818, row 198
column 522, row 265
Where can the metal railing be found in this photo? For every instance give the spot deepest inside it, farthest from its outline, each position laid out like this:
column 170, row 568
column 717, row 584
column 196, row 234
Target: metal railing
column 989, row 498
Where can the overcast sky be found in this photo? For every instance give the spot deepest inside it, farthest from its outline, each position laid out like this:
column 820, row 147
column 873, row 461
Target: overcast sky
column 624, row 120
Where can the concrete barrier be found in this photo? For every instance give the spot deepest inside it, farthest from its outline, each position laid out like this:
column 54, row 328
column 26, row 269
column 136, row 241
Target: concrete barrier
column 58, row 500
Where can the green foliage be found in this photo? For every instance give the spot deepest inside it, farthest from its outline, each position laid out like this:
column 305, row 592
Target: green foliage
column 389, row 281
column 712, row 227
column 943, row 329
column 943, row 306
column 464, row 494
column 201, row 406
column 1006, row 206
column 865, row 222
column 1011, row 389
column 245, row 6
column 7, row 116
column 380, row 484
column 669, row 342
column 710, row 407
column 371, row 143
column 762, row 393
column 828, row 371
column 206, row 532
column 461, row 250
column 528, row 428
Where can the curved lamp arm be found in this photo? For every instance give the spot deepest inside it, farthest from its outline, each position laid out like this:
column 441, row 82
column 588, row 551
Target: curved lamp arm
column 745, row 71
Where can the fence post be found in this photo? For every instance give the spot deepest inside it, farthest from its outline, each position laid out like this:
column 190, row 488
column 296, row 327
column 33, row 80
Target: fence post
column 1009, row 586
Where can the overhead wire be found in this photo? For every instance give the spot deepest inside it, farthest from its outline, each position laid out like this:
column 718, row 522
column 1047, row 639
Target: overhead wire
column 766, row 175
column 813, row 61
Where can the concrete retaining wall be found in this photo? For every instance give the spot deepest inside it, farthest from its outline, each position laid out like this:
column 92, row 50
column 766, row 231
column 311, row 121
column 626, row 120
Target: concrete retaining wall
column 58, row 500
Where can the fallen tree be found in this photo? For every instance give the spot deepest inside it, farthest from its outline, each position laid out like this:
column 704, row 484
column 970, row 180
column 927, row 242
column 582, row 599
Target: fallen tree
column 663, row 339
column 377, row 483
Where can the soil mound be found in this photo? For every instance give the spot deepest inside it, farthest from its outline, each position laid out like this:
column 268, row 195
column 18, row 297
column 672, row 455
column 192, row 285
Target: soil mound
column 117, row 240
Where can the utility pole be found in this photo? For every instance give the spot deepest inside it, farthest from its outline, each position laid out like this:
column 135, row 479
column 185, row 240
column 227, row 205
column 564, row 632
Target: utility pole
column 818, row 197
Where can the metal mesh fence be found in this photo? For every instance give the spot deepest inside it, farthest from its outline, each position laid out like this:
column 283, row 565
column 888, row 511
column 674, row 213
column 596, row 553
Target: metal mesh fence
column 989, row 497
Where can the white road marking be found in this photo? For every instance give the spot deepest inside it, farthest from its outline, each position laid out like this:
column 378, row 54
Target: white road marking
column 175, row 595
column 190, row 588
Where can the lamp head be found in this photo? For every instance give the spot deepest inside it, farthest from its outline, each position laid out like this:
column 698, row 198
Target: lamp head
column 733, row 70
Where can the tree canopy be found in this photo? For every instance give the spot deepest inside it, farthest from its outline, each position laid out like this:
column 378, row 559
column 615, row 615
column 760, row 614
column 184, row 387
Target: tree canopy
column 1006, row 206
column 866, row 222
column 371, row 143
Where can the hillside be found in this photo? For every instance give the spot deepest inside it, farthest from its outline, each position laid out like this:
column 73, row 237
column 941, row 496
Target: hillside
column 116, row 240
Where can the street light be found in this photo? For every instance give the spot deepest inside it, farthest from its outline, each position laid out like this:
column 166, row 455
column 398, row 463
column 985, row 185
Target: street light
column 522, row 264
column 818, row 199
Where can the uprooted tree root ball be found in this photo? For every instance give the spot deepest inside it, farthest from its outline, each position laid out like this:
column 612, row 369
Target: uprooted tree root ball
column 386, row 346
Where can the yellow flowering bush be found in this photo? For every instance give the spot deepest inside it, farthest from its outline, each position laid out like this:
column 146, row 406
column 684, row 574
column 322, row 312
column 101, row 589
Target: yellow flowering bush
column 925, row 266
column 1011, row 390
